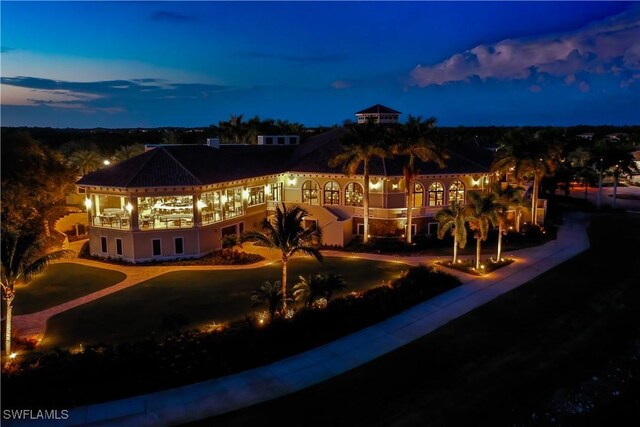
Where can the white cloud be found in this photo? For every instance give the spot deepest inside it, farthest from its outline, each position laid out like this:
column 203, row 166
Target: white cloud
column 598, row 47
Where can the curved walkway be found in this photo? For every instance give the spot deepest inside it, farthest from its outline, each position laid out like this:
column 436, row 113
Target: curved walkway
column 34, row 324
column 218, row 396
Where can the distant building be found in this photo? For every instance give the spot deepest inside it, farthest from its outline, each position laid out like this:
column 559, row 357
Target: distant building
column 379, row 114
column 587, row 136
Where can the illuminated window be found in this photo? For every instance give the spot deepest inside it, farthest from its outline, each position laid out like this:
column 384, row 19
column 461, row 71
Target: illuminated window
column 436, row 194
column 310, row 193
column 256, row 196
column 456, row 192
column 331, row 193
column 418, row 194
column 353, row 194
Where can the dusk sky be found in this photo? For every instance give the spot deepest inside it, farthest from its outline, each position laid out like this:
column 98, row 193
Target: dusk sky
column 149, row 64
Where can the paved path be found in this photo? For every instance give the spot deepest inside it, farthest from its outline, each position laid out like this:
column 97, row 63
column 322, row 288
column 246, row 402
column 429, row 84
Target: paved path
column 218, row 396
column 34, row 324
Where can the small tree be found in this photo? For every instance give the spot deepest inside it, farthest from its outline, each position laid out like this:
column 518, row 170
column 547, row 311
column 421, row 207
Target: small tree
column 453, row 219
column 268, row 294
column 505, row 198
column 481, row 214
column 23, row 257
column 286, row 233
column 333, row 283
column 309, row 289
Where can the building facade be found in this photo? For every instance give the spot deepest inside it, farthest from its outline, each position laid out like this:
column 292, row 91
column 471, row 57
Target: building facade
column 180, row 201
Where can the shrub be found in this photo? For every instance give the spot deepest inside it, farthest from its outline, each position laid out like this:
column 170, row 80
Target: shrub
column 183, row 358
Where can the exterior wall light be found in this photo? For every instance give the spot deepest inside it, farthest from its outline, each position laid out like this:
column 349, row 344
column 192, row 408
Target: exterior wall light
column 87, row 203
column 245, row 194
column 129, row 207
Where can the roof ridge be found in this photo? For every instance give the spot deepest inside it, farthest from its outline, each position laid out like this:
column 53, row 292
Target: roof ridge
column 182, row 166
column 153, row 154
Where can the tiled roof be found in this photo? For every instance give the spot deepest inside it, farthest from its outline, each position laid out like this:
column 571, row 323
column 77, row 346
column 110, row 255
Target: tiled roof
column 191, row 165
column 378, row 109
column 196, row 165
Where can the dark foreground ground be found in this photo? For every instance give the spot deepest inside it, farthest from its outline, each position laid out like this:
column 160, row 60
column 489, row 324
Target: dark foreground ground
column 562, row 350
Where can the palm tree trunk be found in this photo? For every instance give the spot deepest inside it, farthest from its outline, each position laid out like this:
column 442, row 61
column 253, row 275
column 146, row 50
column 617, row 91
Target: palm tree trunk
column 408, row 183
column 7, row 323
column 499, row 242
column 534, row 201
column 365, row 201
column 599, row 197
column 455, row 248
column 615, row 189
column 518, row 218
column 478, row 254
column 284, row 287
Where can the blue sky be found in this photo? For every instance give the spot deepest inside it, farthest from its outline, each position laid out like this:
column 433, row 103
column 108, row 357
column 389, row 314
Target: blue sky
column 148, row 64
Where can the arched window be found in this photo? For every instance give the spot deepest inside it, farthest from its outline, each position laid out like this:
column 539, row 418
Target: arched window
column 310, row 193
column 331, row 193
column 436, row 194
column 353, row 194
column 418, row 194
column 456, row 192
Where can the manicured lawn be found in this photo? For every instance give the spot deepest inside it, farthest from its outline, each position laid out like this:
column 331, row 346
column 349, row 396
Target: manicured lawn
column 199, row 296
column 61, row 283
column 505, row 361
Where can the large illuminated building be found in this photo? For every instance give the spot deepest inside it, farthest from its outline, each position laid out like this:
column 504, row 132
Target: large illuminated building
column 178, row 201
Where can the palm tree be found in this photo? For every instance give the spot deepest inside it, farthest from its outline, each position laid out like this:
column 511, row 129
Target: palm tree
column 86, row 161
column 269, row 294
column 413, row 141
column 23, row 257
column 332, row 283
column 286, row 233
column 318, row 286
column 128, row 151
column 480, row 214
column 615, row 157
column 309, row 289
column 453, row 219
column 505, row 197
column 362, row 143
column 525, row 155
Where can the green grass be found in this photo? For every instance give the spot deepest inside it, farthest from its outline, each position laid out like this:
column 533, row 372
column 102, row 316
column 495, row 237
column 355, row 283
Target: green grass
column 61, row 283
column 502, row 362
column 200, row 296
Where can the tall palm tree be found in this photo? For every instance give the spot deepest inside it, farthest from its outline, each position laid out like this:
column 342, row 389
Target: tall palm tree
column 269, row 294
column 481, row 214
column 23, row 257
column 286, row 233
column 505, row 198
column 362, row 143
column 524, row 155
column 86, row 161
column 413, row 140
column 453, row 219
